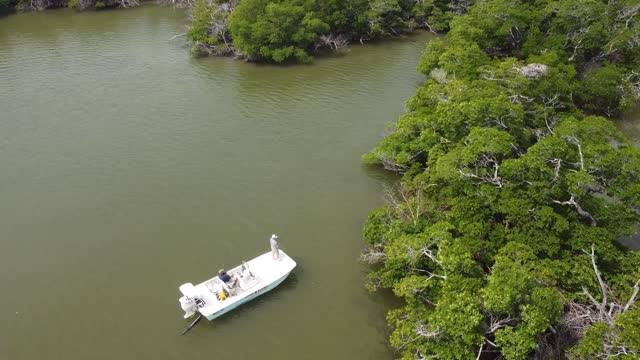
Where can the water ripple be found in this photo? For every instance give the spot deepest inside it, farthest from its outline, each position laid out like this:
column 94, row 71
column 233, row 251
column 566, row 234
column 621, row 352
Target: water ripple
column 128, row 167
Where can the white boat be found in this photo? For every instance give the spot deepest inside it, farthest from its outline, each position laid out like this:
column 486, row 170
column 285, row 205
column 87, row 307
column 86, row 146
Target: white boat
column 214, row 298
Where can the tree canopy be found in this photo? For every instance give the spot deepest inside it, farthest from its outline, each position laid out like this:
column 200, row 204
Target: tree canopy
column 502, row 236
column 275, row 30
column 292, row 30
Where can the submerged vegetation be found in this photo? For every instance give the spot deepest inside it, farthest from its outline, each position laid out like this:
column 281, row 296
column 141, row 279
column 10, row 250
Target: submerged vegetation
column 502, row 236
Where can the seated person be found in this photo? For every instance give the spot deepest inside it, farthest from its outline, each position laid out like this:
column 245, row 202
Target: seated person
column 231, row 281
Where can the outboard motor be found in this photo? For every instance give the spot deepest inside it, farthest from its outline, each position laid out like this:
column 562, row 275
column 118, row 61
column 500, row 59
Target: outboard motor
column 189, row 306
column 200, row 303
column 191, row 301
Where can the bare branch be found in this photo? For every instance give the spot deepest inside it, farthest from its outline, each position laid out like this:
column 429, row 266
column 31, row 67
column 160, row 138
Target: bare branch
column 407, row 201
column 489, row 164
column 579, row 317
column 495, row 324
column 603, row 287
column 591, row 298
column 423, row 331
column 632, row 299
column 428, row 253
column 177, row 36
column 426, row 24
column 581, row 211
column 515, row 99
column 431, row 275
column 627, row 14
column 575, row 38
column 373, row 256
column 575, row 141
column 633, row 80
column 333, row 42
column 556, row 170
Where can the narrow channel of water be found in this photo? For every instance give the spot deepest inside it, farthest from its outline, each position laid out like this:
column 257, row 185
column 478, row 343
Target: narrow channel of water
column 129, row 168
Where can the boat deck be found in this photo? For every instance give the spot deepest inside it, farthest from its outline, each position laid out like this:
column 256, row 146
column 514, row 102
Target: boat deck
column 266, row 271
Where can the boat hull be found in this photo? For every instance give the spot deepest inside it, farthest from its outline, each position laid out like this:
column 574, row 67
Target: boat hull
column 250, row 297
column 254, row 278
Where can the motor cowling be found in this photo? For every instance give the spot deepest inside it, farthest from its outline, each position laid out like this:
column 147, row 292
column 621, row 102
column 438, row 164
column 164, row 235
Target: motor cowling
column 189, row 306
column 189, row 302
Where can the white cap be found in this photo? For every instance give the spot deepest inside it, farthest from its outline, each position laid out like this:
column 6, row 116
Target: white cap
column 274, row 236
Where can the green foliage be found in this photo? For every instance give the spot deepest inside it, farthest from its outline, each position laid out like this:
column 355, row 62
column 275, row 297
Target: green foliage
column 291, row 30
column 622, row 337
column 384, row 15
column 512, row 279
column 514, row 289
column 6, row 5
column 377, row 226
column 524, row 181
column 281, row 30
column 599, row 91
column 275, row 31
column 458, row 315
column 581, row 26
column 199, row 30
column 344, row 16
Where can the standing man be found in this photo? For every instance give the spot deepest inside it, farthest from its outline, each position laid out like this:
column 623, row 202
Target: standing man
column 275, row 247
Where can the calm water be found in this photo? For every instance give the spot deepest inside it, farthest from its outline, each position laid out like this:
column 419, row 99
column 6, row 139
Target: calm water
column 128, row 168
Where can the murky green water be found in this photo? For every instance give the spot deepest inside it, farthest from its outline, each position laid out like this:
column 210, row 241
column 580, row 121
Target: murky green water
column 128, row 168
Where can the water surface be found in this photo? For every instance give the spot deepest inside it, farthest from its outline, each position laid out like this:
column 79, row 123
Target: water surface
column 128, row 168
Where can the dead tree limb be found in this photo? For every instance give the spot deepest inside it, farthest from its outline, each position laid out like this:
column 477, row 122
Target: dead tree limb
column 632, row 299
column 574, row 140
column 488, row 163
column 581, row 211
column 556, row 170
column 579, row 317
column 423, row 331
